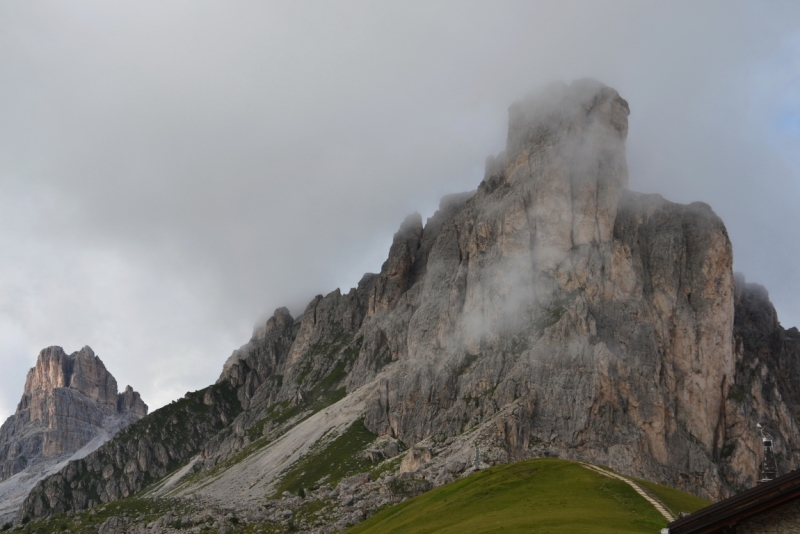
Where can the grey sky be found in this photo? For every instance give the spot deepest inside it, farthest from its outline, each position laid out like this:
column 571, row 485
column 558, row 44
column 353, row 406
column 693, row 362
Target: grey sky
column 171, row 172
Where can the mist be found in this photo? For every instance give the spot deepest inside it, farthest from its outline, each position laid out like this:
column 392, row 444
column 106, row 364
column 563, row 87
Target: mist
column 171, row 173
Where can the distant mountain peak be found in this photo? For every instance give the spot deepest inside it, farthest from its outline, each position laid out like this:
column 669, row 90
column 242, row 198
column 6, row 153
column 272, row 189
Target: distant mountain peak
column 69, row 401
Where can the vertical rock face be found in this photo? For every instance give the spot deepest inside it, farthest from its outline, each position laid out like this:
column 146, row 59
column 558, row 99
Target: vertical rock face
column 68, row 401
column 767, row 385
column 553, row 305
column 605, row 317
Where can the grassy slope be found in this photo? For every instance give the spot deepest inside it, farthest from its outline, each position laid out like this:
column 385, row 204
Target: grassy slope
column 676, row 500
column 543, row 496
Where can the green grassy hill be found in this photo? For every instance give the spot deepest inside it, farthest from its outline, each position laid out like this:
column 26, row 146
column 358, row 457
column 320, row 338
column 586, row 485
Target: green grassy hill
column 545, row 496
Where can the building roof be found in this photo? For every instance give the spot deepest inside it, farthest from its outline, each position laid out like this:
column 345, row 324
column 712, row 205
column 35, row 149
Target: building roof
column 729, row 512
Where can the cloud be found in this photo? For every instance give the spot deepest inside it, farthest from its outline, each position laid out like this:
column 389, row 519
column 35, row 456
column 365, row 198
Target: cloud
column 170, row 173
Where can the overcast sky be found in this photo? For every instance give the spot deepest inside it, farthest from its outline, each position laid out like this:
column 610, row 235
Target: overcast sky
column 171, row 172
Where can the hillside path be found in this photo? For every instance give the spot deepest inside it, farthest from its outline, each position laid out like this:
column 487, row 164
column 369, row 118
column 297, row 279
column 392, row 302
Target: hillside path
column 658, row 505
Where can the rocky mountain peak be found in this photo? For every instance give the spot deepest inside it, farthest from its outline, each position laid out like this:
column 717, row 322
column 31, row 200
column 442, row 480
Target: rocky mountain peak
column 68, row 400
column 559, row 110
column 129, row 401
column 279, row 321
column 550, row 312
column 552, row 308
column 565, row 156
column 81, row 371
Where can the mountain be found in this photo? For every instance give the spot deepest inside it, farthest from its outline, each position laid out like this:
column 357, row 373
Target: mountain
column 551, row 312
column 69, row 407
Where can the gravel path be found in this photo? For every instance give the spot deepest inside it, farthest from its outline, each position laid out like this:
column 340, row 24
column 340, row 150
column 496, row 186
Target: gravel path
column 658, row 505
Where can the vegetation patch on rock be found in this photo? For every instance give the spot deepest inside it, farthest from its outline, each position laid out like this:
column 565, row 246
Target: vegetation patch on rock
column 330, row 460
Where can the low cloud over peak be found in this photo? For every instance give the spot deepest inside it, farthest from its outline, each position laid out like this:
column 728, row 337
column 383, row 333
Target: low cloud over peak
column 170, row 173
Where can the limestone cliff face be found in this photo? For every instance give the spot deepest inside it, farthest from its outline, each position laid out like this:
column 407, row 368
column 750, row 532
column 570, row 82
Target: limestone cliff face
column 767, row 386
column 67, row 401
column 603, row 316
column 575, row 315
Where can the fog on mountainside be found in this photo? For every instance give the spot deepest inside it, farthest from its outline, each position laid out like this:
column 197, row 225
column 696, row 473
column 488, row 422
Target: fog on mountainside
column 633, row 346
column 171, row 174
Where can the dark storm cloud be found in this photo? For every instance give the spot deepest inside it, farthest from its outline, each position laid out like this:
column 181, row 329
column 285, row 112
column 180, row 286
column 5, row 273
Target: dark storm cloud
column 172, row 172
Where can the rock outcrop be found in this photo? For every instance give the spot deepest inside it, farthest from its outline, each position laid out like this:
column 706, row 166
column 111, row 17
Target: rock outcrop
column 577, row 315
column 605, row 317
column 767, row 385
column 67, row 401
column 70, row 406
column 550, row 312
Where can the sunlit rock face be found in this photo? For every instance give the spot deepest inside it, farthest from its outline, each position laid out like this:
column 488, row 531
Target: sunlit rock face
column 67, row 402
